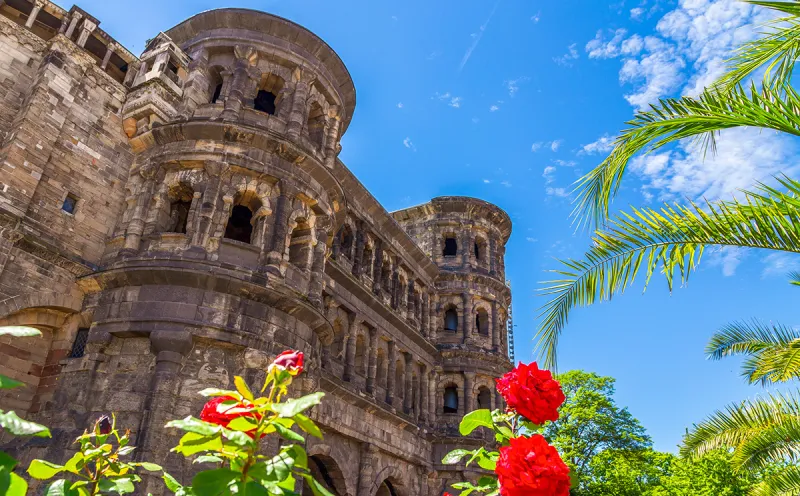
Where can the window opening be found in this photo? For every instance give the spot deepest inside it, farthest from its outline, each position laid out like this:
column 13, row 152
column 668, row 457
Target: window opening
column 239, row 227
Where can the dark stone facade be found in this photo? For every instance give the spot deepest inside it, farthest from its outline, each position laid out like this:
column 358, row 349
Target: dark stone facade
column 172, row 220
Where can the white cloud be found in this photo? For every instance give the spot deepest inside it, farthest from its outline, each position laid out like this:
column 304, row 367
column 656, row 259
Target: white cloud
column 507, row 184
column 744, row 157
column 477, row 37
column 598, row 48
column 604, row 144
column 531, row 239
column 494, row 108
column 475, row 120
column 486, row 181
column 536, row 17
column 549, row 174
column 558, row 192
column 565, row 163
column 513, row 85
column 728, row 258
column 780, row 264
column 637, row 13
column 537, row 146
column 451, row 100
column 567, row 58
column 409, row 144
column 400, row 105
column 556, row 144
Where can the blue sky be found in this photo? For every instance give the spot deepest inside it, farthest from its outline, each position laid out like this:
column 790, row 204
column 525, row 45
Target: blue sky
column 511, row 101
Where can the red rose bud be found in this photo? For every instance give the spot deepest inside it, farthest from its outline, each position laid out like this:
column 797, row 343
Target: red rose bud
column 290, row 360
column 532, row 393
column 103, row 425
column 531, row 467
column 214, row 412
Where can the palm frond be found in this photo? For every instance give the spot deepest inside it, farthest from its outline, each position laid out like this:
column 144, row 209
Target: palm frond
column 794, row 278
column 776, row 51
column 785, row 482
column 671, row 238
column 741, row 426
column 772, row 350
column 676, row 119
column 791, row 7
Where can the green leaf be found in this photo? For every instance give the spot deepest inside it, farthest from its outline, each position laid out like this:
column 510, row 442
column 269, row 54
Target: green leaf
column 253, row 488
column 126, row 450
column 7, row 461
column 208, row 459
column 43, row 470
column 75, row 464
column 123, row 485
column 213, row 482
column 10, row 422
column 288, row 433
column 150, row 467
column 242, row 424
column 192, row 443
column 243, row 389
column 455, row 456
column 19, row 331
column 9, row 383
column 475, row 419
column 299, row 405
column 171, row 483
column 220, row 392
column 59, row 488
column 17, row 487
column 191, row 424
column 316, row 488
column 308, row 425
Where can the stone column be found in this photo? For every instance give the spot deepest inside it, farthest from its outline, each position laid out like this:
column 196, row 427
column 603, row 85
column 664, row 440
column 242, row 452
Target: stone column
column 432, row 381
column 410, row 302
column 73, row 23
column 390, row 372
column 408, row 398
column 37, row 7
column 170, row 347
column 208, row 208
column 495, row 328
column 377, row 268
column 467, row 318
column 466, row 246
column 332, row 137
column 242, row 74
column 358, row 258
column 111, row 48
column 426, row 314
column 86, row 29
column 368, row 470
column 422, row 396
column 135, row 229
column 350, row 356
column 317, row 281
column 492, row 255
column 469, row 397
column 197, row 85
column 372, row 367
column 434, row 321
column 283, row 210
column 297, row 116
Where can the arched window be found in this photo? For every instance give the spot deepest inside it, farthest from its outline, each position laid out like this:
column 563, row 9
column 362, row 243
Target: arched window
column 267, row 97
column 337, row 347
column 215, row 85
column 482, row 322
column 179, row 206
column 346, row 241
column 239, row 226
column 484, row 398
column 450, row 399
column 217, row 93
column 451, row 320
column 315, row 125
column 361, row 355
column 300, row 249
column 450, row 247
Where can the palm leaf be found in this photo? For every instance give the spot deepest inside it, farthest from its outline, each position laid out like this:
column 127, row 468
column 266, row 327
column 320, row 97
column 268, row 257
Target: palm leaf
column 785, row 482
column 671, row 239
column 794, row 278
column 676, row 119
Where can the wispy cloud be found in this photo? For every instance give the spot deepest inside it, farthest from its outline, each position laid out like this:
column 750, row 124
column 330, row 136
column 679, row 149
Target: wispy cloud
column 537, row 146
column 494, row 108
column 453, row 101
column 567, row 58
column 557, row 192
column 513, row 85
column 434, row 54
column 507, row 184
column 475, row 120
column 409, row 144
column 549, row 174
column 530, row 239
column 565, row 163
column 487, row 181
column 552, row 145
column 399, row 105
column 477, row 37
column 604, row 144
column 728, row 258
column 556, row 144
column 537, row 17
column 637, row 13
column 779, row 264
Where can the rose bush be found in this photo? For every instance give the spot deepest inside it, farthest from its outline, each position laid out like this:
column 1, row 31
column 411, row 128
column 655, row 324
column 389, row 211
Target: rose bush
column 525, row 465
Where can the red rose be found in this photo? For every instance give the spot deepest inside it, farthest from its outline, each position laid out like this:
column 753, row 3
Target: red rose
column 290, row 360
column 531, row 467
column 532, row 393
column 214, row 412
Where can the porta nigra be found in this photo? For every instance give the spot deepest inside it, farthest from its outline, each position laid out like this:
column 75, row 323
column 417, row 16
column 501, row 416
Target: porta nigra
column 171, row 220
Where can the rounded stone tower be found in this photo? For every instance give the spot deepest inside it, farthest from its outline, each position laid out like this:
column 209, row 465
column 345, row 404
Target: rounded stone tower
column 466, row 238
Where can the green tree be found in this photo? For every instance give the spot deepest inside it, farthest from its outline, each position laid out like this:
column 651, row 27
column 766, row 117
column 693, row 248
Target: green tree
column 591, row 423
column 671, row 239
column 625, row 473
column 710, row 475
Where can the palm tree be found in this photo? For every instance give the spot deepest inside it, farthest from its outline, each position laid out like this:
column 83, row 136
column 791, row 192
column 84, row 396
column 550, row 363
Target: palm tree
column 672, row 238
column 763, row 432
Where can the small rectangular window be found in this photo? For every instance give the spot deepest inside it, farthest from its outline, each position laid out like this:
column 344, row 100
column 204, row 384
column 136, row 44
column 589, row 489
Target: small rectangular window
column 70, row 202
column 79, row 345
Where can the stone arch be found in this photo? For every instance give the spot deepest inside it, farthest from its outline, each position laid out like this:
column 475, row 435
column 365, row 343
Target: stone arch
column 269, row 92
column 453, row 380
column 302, row 238
column 327, row 471
column 47, row 299
column 483, row 400
column 216, row 82
column 389, row 482
column 480, row 249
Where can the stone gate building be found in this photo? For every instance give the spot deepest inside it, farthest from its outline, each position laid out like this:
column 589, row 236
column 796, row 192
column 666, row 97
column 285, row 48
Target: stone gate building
column 172, row 220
